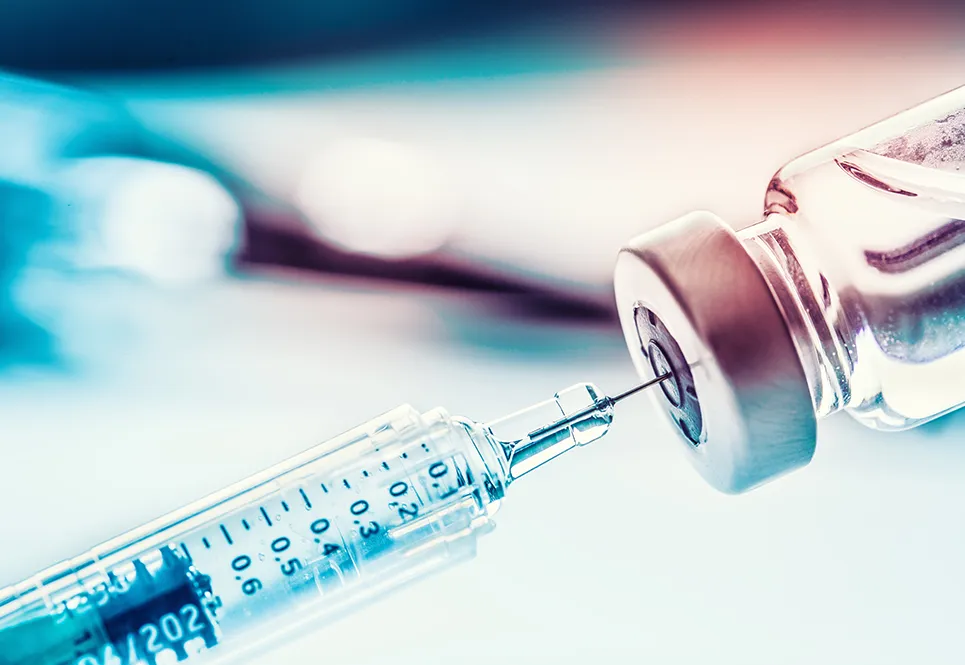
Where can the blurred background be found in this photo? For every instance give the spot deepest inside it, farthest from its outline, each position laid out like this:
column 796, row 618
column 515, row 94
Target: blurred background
column 228, row 232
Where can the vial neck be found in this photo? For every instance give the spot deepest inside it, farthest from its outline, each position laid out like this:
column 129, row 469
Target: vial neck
column 812, row 309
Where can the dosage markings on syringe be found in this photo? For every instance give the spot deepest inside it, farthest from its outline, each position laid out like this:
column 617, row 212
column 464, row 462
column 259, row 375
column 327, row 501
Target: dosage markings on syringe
column 340, row 517
column 442, row 483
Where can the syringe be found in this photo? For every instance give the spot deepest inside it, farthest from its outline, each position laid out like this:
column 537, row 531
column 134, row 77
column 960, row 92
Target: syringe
column 321, row 533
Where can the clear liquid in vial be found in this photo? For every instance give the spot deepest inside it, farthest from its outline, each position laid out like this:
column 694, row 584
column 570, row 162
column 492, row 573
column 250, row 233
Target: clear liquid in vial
column 871, row 234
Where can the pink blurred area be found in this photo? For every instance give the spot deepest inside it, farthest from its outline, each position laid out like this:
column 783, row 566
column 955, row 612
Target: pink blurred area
column 543, row 172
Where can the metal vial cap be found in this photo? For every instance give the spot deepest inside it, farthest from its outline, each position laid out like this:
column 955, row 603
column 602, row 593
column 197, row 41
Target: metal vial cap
column 691, row 300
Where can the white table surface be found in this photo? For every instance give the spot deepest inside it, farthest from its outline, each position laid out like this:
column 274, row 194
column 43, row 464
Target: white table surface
column 617, row 551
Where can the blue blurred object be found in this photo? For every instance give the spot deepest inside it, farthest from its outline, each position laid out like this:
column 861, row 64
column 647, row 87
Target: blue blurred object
column 86, row 221
column 25, row 213
column 40, row 124
column 96, row 211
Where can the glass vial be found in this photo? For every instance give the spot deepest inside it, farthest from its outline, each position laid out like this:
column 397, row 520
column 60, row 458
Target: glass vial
column 851, row 288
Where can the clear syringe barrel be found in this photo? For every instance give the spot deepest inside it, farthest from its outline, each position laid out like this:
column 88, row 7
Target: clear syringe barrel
column 321, row 533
